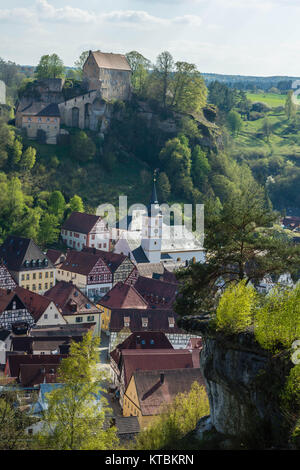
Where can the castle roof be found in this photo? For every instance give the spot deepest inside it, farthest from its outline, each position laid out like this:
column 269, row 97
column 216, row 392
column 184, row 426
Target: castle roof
column 108, row 60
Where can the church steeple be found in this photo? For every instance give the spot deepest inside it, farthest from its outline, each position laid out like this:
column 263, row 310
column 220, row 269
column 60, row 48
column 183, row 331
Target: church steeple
column 152, row 228
column 153, row 207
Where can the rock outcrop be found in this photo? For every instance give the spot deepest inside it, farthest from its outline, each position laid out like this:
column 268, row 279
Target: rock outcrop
column 243, row 383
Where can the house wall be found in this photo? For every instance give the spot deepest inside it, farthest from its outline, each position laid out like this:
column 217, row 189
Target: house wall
column 183, row 256
column 131, row 405
column 50, row 125
column 51, row 316
column 38, row 280
column 91, row 290
column 86, row 318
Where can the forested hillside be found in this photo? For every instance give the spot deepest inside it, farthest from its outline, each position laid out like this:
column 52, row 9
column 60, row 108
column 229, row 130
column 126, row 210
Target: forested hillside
column 206, row 143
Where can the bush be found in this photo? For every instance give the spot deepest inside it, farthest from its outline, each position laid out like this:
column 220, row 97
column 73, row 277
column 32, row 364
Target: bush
column 175, row 421
column 236, row 308
column 254, row 116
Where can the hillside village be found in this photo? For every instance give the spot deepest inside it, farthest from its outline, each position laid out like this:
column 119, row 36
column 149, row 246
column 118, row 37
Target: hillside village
column 120, row 284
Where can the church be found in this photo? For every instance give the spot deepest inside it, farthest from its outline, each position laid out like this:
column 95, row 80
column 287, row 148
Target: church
column 149, row 240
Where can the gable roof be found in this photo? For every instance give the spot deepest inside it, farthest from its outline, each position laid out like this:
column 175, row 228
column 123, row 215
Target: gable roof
column 6, row 279
column 158, row 320
column 15, row 251
column 13, row 361
column 80, row 262
column 70, row 299
column 6, row 297
column 157, row 388
column 156, row 292
column 108, row 60
column 81, row 222
column 35, row 374
column 154, row 359
column 142, row 340
column 123, row 296
column 36, row 304
column 55, row 255
column 112, row 260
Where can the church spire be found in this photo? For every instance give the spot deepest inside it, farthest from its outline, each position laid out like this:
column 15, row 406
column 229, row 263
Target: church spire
column 154, row 199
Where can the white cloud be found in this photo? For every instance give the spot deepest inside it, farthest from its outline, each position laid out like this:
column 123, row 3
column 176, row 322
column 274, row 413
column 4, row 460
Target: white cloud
column 16, row 15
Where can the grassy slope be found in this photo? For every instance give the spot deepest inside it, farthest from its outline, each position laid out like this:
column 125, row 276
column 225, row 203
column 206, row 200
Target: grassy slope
column 271, row 99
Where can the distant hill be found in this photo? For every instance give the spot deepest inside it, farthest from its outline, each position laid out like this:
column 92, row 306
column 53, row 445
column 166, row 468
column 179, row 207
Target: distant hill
column 249, row 82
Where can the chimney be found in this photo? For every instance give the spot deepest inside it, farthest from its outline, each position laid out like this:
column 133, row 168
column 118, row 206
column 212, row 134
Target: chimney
column 162, row 378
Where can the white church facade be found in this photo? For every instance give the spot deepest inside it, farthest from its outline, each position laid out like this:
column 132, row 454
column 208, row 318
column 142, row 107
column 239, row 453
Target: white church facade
column 149, row 240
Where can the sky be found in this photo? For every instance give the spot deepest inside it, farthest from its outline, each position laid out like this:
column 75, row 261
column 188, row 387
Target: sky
column 244, row 37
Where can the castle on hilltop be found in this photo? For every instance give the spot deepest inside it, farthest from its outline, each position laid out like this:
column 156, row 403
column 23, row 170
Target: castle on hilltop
column 106, row 78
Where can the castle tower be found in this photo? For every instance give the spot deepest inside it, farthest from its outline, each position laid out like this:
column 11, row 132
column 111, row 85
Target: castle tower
column 152, row 228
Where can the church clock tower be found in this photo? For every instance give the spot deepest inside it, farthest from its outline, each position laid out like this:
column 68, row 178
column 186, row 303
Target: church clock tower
column 152, row 228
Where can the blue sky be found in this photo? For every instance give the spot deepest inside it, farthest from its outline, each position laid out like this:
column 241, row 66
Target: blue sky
column 247, row 37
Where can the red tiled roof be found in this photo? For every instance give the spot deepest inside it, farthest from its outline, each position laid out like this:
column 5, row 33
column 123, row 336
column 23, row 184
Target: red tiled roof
column 108, row 60
column 142, row 340
column 54, row 255
column 81, row 222
column 79, row 262
column 123, row 296
column 35, row 374
column 154, row 359
column 112, row 260
column 156, row 388
column 6, row 296
column 14, row 361
column 36, row 304
column 156, row 292
column 70, row 299
column 158, row 320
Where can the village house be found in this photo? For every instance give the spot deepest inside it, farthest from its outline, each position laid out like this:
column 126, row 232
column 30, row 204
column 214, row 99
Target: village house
column 145, row 359
column 121, row 296
column 87, row 271
column 85, row 230
column 32, row 369
column 120, row 266
column 13, row 311
column 6, row 279
column 40, row 121
column 157, row 293
column 43, row 310
column 123, row 322
column 27, row 264
column 138, row 340
column 148, row 391
column 74, row 306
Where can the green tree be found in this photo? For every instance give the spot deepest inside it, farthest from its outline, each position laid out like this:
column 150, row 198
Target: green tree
column 236, row 308
column 49, row 229
column 175, row 420
column 57, row 204
column 241, row 244
column 139, row 66
column 79, row 63
column 266, row 129
column 28, row 159
column 164, row 186
column 13, row 423
column 50, row 66
column 200, row 166
column 290, row 108
column 176, row 159
column 82, row 147
column 76, row 204
column 163, row 73
column 234, row 122
column 188, row 88
column 77, row 418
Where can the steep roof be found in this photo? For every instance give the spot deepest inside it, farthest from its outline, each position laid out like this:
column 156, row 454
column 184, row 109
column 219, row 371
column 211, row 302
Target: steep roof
column 142, row 340
column 15, row 251
column 50, row 110
column 81, row 222
column 36, row 304
column 6, row 297
column 6, row 279
column 158, row 320
column 156, row 388
column 80, row 262
column 35, row 374
column 156, row 292
column 13, row 361
column 123, row 296
column 70, row 299
column 154, row 359
column 112, row 260
column 54, row 255
column 108, row 60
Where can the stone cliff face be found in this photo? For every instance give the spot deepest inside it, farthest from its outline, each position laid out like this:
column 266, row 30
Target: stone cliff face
column 243, row 383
